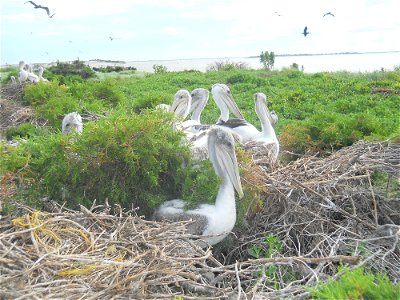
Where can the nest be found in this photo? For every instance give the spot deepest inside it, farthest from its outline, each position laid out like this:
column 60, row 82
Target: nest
column 12, row 112
column 324, row 207
column 323, row 212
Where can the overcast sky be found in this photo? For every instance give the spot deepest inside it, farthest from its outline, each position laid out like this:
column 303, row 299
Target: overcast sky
column 177, row 29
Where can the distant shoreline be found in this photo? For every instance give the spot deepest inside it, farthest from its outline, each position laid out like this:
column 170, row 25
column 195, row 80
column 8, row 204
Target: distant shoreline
column 334, row 53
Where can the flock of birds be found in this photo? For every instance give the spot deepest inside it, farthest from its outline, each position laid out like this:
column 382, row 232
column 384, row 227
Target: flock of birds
column 26, row 74
column 213, row 222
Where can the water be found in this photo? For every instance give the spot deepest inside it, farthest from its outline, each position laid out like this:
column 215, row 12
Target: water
column 312, row 63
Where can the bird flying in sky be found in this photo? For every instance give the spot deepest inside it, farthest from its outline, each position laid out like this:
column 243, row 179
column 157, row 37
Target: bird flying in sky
column 42, row 7
column 329, row 14
column 305, row 32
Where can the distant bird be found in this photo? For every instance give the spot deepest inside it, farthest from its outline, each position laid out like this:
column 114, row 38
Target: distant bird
column 36, row 6
column 305, row 32
column 23, row 74
column 111, row 38
column 329, row 14
column 40, row 74
column 32, row 77
column 72, row 121
column 213, row 222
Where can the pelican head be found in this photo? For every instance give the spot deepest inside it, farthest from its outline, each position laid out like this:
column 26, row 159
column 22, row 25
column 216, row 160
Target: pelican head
column 72, row 121
column 199, row 100
column 221, row 149
column 260, row 100
column 181, row 105
column 224, row 100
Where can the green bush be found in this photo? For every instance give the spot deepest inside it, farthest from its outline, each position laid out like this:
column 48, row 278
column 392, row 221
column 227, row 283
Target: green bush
column 357, row 284
column 133, row 160
column 76, row 68
column 24, row 130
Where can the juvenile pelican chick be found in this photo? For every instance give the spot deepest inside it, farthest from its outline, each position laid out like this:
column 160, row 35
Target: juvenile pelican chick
column 212, row 222
column 72, row 121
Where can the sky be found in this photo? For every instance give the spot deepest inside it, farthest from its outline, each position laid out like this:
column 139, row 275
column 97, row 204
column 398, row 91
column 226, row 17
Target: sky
column 183, row 29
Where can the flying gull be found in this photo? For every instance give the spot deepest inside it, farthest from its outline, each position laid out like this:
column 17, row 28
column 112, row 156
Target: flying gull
column 42, row 7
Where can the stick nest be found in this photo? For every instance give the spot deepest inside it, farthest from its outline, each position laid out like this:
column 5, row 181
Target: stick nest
column 324, row 211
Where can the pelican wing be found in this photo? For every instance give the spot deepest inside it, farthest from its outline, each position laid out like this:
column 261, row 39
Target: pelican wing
column 198, row 226
column 233, row 123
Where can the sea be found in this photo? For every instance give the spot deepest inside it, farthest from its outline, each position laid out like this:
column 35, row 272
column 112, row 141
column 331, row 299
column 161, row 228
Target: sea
column 309, row 63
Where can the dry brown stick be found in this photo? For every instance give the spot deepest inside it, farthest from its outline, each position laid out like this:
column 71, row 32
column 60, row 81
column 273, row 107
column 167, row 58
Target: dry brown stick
column 335, row 207
column 373, row 199
column 353, row 260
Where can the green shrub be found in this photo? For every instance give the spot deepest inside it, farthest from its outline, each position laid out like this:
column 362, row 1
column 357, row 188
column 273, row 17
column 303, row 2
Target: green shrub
column 76, row 68
column 24, row 130
column 133, row 160
column 357, row 284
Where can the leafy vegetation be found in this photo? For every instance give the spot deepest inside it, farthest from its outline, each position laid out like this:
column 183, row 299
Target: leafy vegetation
column 132, row 155
column 357, row 284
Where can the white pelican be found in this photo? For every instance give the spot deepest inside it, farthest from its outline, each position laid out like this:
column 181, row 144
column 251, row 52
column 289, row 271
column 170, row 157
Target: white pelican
column 72, row 121
column 198, row 134
column 23, row 74
column 40, row 74
column 212, row 222
column 224, row 100
column 163, row 106
column 274, row 117
column 199, row 100
column 267, row 137
column 32, row 76
column 181, row 105
column 13, row 80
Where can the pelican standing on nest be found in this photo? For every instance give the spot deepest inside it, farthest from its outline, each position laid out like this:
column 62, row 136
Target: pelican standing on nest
column 239, row 126
column 32, row 77
column 40, row 74
column 23, row 74
column 267, row 137
column 72, row 121
column 225, row 102
column 212, row 222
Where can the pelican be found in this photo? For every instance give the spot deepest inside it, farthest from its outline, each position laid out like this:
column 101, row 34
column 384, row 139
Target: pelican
column 274, row 118
column 72, row 121
column 198, row 135
column 181, row 105
column 13, row 80
column 267, row 136
column 23, row 74
column 224, row 100
column 32, row 76
column 40, row 74
column 164, row 107
column 199, row 100
column 212, row 222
